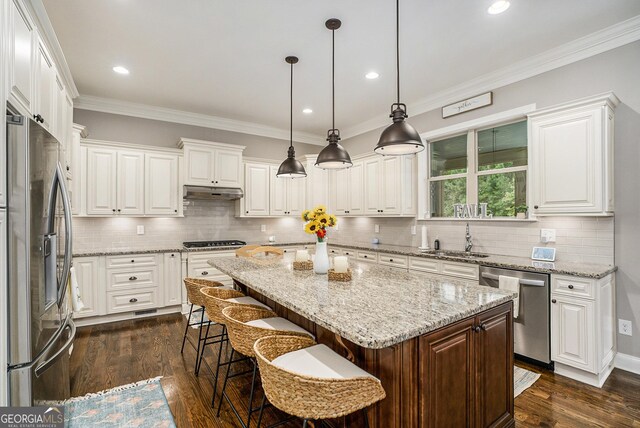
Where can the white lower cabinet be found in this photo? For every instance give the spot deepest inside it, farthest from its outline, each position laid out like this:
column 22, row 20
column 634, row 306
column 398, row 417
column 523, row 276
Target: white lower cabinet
column 91, row 282
column 445, row 267
column 198, row 266
column 583, row 343
column 172, row 279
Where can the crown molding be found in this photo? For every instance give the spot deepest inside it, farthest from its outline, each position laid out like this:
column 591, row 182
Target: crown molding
column 45, row 30
column 612, row 37
column 144, row 111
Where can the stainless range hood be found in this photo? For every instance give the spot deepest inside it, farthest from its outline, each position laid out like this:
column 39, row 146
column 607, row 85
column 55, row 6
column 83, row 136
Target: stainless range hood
column 205, row 193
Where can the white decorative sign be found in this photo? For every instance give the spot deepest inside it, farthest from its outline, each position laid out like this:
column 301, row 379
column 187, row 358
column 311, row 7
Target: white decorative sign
column 468, row 104
column 471, row 211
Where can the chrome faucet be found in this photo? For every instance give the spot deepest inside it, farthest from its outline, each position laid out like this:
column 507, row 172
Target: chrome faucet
column 468, row 244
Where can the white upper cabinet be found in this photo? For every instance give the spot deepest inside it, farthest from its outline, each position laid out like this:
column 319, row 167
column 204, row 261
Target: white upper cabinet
column 212, row 164
column 391, row 185
column 287, row 195
column 130, row 183
column 571, row 157
column 45, row 87
column 21, row 55
column 340, row 191
column 161, row 184
column 102, row 164
column 356, row 188
column 256, row 190
column 317, row 184
column 296, row 191
column 372, row 193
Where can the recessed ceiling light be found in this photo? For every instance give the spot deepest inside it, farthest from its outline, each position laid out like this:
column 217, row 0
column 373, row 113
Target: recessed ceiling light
column 498, row 6
column 372, row 75
column 307, row 111
column 120, row 69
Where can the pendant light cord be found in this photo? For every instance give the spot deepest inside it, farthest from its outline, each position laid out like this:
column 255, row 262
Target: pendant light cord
column 333, row 79
column 398, row 48
column 291, row 110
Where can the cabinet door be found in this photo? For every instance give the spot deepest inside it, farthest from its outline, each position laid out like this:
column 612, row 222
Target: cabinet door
column 130, row 183
column 447, row 368
column 92, row 292
column 278, row 193
column 101, row 181
column 572, row 332
column 295, row 195
column 494, row 368
column 161, row 184
column 198, row 166
column 317, row 192
column 356, row 189
column 21, row 58
column 566, row 148
column 391, row 186
column 227, row 168
column 341, row 191
column 256, row 187
column 172, row 279
column 372, row 189
column 77, row 170
column 408, row 183
column 45, row 82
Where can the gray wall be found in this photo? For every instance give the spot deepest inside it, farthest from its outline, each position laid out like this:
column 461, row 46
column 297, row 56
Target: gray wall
column 617, row 70
column 126, row 129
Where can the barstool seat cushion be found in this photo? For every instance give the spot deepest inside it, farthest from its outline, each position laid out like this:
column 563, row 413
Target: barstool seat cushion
column 319, row 361
column 278, row 323
column 246, row 300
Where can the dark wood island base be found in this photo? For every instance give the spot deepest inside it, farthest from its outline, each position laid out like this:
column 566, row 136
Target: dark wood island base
column 460, row 375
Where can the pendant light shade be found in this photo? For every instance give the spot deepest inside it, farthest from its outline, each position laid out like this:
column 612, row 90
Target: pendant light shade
column 399, row 138
column 333, row 156
column 291, row 167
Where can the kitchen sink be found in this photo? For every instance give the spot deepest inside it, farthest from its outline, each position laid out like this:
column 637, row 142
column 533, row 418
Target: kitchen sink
column 459, row 254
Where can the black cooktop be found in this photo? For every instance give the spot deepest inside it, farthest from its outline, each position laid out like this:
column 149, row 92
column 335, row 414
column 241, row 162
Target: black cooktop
column 212, row 244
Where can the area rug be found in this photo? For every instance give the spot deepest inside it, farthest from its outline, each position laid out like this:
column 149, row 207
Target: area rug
column 523, row 379
column 140, row 405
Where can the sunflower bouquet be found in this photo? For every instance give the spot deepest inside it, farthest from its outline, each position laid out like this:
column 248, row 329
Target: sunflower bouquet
column 318, row 220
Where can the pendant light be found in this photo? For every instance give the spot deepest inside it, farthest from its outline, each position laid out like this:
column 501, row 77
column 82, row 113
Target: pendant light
column 333, row 156
column 399, row 138
column 291, row 167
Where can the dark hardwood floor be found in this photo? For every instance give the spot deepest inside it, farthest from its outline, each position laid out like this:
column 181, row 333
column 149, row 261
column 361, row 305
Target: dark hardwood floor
column 109, row 355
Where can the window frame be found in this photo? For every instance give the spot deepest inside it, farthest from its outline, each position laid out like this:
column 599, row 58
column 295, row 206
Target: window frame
column 473, row 171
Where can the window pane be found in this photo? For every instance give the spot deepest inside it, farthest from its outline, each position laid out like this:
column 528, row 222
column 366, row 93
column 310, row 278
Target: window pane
column 503, row 146
column 445, row 193
column 503, row 193
column 449, row 156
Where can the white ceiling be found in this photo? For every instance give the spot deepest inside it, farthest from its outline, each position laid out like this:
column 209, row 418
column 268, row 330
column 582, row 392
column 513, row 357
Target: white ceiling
column 226, row 58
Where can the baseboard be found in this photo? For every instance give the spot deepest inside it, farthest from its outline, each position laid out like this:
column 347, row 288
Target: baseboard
column 583, row 376
column 104, row 319
column 628, row 363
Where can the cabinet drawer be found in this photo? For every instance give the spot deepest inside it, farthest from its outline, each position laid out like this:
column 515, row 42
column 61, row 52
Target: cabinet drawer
column 335, row 251
column 460, row 270
column 368, row 256
column 393, row 260
column 201, row 258
column 350, row 253
column 120, row 279
column 206, row 272
column 125, row 301
column 573, row 286
column 424, row 265
column 132, row 260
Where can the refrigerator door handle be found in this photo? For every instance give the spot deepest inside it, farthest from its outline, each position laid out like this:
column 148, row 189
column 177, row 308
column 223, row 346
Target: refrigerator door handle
column 60, row 180
column 49, row 362
column 45, row 350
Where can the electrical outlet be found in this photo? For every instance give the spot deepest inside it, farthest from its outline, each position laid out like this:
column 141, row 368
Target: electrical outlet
column 263, row 228
column 140, row 230
column 376, row 228
column 413, row 230
column 624, row 327
column 547, row 235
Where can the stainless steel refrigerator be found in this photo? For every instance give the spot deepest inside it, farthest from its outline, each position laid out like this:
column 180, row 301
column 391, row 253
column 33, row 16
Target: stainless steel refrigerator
column 41, row 330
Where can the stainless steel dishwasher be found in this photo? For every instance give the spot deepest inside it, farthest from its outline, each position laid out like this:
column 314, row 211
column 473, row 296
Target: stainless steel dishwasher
column 531, row 329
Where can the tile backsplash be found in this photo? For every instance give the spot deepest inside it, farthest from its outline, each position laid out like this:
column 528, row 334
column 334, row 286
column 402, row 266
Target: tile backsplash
column 579, row 239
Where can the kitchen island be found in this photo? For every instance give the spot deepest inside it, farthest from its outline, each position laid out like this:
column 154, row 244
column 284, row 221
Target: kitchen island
column 443, row 349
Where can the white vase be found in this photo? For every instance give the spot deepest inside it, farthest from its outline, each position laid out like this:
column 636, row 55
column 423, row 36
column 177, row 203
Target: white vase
column 321, row 259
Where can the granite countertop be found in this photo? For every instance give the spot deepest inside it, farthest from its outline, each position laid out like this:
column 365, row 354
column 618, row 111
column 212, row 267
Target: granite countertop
column 587, row 270
column 380, row 307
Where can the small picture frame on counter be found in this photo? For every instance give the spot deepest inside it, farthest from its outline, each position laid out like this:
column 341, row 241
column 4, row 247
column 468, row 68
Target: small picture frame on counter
column 544, row 254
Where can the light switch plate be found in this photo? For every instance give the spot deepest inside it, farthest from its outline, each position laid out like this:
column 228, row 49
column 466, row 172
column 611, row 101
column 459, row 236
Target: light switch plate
column 376, row 228
column 413, row 230
column 547, row 235
column 263, row 228
column 140, row 229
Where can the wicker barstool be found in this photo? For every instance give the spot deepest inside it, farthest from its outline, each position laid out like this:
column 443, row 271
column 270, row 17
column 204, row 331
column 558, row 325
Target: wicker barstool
column 311, row 381
column 245, row 325
column 215, row 300
column 193, row 286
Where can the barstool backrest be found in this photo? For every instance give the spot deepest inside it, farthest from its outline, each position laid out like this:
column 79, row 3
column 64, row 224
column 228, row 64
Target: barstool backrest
column 308, row 397
column 214, row 301
column 193, row 286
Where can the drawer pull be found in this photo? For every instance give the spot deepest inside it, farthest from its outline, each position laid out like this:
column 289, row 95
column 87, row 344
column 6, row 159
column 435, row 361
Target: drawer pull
column 390, row 260
column 205, row 273
column 133, row 300
column 365, row 256
column 553, row 300
column 570, row 286
column 133, row 278
column 133, row 261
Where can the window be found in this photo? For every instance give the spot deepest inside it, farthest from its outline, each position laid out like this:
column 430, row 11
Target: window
column 481, row 166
